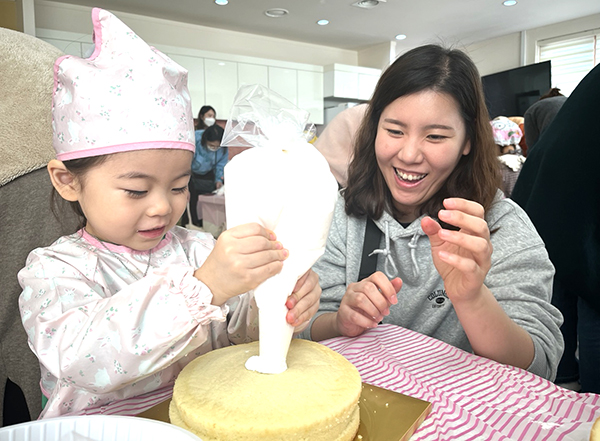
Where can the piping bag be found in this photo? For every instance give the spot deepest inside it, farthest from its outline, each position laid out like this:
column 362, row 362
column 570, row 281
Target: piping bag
column 284, row 184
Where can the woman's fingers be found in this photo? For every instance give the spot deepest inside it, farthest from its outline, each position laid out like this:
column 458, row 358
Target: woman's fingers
column 372, row 297
column 303, row 303
column 475, row 244
column 465, row 215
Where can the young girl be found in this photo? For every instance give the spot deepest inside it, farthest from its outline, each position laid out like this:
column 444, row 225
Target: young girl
column 458, row 261
column 116, row 310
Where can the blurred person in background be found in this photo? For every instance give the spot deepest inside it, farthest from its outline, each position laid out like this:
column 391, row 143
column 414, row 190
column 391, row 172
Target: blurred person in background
column 207, row 166
column 507, row 136
column 540, row 114
column 558, row 188
column 206, row 118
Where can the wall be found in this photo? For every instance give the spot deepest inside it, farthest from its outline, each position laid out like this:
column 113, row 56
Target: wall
column 519, row 49
column 8, row 15
column 77, row 19
column 379, row 56
column 491, row 56
column 497, row 54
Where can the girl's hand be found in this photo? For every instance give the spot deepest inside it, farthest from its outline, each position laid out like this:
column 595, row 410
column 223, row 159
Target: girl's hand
column 365, row 303
column 463, row 258
column 303, row 303
column 243, row 258
column 218, row 184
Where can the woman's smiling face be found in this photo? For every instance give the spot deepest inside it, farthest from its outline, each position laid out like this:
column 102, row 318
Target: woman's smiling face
column 420, row 139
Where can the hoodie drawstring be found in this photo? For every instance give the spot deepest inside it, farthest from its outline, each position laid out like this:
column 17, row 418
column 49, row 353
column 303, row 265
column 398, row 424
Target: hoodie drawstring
column 389, row 261
column 413, row 254
column 390, row 267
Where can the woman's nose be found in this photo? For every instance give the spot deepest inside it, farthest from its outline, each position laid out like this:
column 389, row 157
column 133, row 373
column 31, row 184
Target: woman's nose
column 410, row 151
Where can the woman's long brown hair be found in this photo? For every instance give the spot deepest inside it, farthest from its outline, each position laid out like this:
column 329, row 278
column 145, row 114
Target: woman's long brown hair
column 449, row 71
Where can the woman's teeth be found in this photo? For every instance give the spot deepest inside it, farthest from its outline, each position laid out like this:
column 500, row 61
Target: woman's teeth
column 407, row 177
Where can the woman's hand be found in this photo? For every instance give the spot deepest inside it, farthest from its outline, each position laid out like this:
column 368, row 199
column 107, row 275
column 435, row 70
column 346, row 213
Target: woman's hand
column 365, row 303
column 303, row 303
column 464, row 257
column 243, row 258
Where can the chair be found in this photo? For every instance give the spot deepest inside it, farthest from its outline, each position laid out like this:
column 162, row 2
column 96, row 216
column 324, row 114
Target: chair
column 26, row 221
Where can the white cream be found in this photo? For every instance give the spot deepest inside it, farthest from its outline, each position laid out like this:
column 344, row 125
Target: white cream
column 288, row 188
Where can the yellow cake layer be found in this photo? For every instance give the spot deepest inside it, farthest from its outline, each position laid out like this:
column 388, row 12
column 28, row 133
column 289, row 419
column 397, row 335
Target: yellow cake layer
column 316, row 398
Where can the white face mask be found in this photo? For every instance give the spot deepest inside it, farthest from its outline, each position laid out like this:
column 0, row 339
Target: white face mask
column 213, row 146
column 209, row 121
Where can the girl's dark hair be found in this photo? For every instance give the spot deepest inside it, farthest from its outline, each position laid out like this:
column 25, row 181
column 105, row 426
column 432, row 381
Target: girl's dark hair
column 213, row 133
column 449, row 71
column 199, row 121
column 78, row 168
column 555, row 91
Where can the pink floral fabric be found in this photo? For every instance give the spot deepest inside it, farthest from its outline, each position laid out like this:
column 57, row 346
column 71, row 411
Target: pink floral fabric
column 126, row 96
column 106, row 336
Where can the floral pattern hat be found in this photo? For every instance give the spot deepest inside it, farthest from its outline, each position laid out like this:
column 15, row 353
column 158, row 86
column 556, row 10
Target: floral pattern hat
column 505, row 131
column 126, row 96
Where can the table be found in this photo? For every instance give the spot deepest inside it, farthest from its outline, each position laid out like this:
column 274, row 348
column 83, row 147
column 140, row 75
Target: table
column 211, row 209
column 472, row 398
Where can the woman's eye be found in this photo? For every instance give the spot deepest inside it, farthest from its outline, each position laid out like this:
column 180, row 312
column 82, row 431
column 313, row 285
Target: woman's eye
column 135, row 193
column 437, row 137
column 394, row 132
column 180, row 189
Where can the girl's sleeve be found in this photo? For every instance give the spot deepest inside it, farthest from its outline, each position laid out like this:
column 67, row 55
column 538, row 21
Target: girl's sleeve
column 72, row 323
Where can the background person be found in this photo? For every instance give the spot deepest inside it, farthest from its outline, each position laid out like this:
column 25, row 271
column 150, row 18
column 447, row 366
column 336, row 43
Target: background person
column 558, row 188
column 207, row 167
column 337, row 141
column 541, row 113
column 507, row 136
column 206, row 118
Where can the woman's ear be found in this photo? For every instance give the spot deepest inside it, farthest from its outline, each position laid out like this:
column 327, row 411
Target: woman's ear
column 63, row 180
column 467, row 148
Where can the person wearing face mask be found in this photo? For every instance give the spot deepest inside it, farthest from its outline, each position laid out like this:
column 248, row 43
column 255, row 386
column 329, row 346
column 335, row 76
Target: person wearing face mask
column 206, row 118
column 208, row 165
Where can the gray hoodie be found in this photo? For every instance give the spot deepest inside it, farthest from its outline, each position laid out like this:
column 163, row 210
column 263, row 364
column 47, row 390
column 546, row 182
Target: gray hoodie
column 520, row 278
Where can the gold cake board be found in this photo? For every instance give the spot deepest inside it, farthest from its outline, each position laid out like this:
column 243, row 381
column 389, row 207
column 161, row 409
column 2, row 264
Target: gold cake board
column 384, row 415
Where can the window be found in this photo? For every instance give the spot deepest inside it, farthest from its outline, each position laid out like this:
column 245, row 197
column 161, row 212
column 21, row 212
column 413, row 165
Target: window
column 572, row 57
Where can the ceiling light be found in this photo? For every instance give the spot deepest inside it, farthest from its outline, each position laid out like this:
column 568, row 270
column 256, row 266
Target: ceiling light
column 323, row 22
column 221, row 2
column 367, row 4
column 509, row 2
column 276, row 12
column 400, row 37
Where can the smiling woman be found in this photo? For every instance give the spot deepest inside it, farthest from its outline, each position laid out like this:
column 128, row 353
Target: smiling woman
column 425, row 176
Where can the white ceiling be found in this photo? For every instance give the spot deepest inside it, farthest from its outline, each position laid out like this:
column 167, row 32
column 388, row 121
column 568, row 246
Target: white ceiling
column 352, row 28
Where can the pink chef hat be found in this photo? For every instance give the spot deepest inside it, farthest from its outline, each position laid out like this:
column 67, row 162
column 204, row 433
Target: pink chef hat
column 126, row 96
column 505, row 131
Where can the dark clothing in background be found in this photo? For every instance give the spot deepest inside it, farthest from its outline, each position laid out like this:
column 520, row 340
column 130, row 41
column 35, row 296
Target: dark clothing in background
column 559, row 188
column 539, row 116
column 200, row 184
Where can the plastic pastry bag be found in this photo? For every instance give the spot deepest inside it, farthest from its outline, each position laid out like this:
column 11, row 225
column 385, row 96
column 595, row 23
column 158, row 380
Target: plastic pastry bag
column 284, row 184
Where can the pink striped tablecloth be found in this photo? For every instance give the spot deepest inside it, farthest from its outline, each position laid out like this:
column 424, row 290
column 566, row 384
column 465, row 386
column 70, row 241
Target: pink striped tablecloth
column 472, row 398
